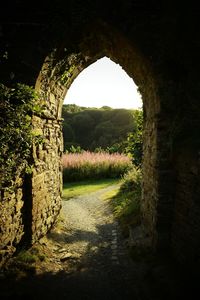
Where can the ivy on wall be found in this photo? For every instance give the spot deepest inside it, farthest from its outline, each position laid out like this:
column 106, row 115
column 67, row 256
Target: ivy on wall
column 17, row 105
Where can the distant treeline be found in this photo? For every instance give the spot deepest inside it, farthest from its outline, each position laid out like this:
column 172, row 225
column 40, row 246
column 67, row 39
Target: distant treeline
column 97, row 128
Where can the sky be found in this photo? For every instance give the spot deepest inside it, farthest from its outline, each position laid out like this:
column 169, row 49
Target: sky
column 104, row 83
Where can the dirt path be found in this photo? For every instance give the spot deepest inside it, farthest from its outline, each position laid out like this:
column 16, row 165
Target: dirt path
column 87, row 258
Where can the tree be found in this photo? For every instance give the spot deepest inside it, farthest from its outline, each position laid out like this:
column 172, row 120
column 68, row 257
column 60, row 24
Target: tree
column 134, row 139
column 97, row 127
column 71, row 108
column 68, row 135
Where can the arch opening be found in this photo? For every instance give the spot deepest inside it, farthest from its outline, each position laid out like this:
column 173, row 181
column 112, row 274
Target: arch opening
column 59, row 71
column 104, row 83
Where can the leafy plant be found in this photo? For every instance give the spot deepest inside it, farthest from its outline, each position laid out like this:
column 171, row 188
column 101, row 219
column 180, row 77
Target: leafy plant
column 17, row 105
column 134, row 139
column 126, row 203
column 74, row 149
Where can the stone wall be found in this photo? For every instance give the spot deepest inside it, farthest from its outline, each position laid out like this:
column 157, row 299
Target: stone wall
column 31, row 205
column 186, row 216
column 46, row 177
column 11, row 216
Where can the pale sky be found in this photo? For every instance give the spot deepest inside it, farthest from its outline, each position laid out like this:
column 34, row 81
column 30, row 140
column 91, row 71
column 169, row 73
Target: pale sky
column 104, row 83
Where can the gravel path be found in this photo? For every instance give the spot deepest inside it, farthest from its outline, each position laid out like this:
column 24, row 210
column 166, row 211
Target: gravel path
column 100, row 267
column 87, row 259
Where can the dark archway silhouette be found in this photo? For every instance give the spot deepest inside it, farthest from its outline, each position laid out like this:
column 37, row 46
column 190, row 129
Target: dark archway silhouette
column 55, row 79
column 158, row 46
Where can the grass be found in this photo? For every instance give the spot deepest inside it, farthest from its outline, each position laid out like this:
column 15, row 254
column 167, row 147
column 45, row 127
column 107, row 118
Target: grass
column 74, row 189
column 126, row 208
column 110, row 194
column 23, row 263
column 91, row 165
column 125, row 201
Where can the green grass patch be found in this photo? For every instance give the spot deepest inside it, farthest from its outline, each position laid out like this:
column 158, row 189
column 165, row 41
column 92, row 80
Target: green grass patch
column 126, row 209
column 30, row 256
column 24, row 263
column 27, row 257
column 110, row 194
column 126, row 201
column 74, row 189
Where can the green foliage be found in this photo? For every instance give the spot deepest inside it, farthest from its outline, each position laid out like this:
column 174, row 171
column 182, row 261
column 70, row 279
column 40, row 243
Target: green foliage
column 116, row 147
column 67, row 74
column 68, row 135
column 105, row 107
column 24, row 262
column 134, row 139
column 132, row 181
column 64, row 70
column 70, row 108
column 126, row 203
column 74, row 149
column 92, row 128
column 27, row 257
column 17, row 105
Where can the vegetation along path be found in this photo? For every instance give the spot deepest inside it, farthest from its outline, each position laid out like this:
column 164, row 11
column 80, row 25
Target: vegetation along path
column 85, row 257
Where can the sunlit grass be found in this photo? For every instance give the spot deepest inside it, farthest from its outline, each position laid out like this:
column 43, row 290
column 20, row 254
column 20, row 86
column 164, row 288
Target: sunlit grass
column 110, row 194
column 74, row 189
column 125, row 201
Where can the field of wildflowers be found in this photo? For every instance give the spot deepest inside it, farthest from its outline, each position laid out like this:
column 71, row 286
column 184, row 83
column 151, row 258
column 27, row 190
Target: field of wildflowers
column 90, row 165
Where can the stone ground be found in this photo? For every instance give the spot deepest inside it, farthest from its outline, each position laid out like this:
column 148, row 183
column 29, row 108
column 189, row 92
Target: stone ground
column 86, row 257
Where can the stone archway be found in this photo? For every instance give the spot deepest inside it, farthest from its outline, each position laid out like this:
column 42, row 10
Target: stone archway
column 58, row 72
column 159, row 48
